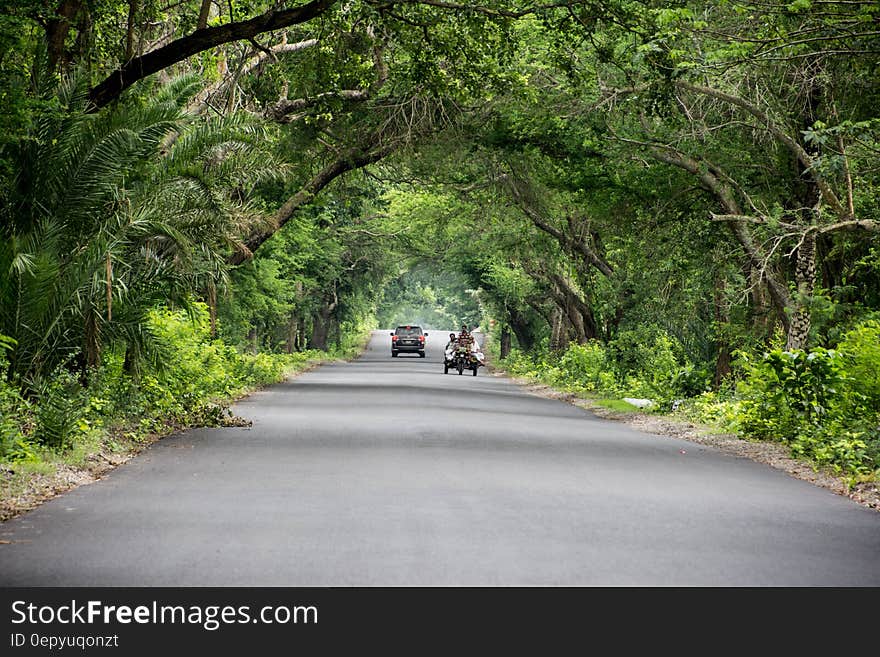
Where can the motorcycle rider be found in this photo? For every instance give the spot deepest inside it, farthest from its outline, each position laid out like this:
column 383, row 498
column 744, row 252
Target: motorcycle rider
column 449, row 349
column 452, row 341
column 465, row 338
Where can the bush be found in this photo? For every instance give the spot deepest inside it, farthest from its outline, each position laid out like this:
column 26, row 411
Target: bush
column 785, row 391
column 193, row 388
column 60, row 411
column 860, row 348
column 648, row 362
column 824, row 403
column 14, row 412
column 203, row 371
column 643, row 363
column 719, row 408
column 586, row 366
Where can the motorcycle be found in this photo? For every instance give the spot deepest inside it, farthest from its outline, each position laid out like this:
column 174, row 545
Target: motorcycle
column 461, row 358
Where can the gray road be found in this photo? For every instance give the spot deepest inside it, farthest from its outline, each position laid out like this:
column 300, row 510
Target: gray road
column 386, row 472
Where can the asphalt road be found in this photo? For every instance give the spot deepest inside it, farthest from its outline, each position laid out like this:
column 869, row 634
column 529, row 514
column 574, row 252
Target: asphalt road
column 386, row 472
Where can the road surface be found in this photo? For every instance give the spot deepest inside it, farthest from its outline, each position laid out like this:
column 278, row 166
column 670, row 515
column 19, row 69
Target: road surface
column 386, row 472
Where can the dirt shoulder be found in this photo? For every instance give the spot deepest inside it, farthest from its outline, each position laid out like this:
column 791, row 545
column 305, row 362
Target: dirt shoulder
column 773, row 454
column 24, row 486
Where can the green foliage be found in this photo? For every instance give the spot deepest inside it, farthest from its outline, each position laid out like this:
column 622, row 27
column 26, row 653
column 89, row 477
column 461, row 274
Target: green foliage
column 111, row 214
column 60, row 411
column 527, row 150
column 786, row 390
column 199, row 378
column 860, row 349
column 586, row 366
column 430, row 297
column 203, row 372
column 14, row 413
column 823, row 403
column 628, row 366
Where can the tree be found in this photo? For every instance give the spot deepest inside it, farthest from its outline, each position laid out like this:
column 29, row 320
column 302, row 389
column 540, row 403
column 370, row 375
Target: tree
column 110, row 215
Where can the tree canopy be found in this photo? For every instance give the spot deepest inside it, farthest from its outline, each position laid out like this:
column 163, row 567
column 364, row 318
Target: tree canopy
column 567, row 172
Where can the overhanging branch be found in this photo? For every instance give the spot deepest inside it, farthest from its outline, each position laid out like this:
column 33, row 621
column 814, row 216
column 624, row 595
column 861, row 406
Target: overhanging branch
column 199, row 41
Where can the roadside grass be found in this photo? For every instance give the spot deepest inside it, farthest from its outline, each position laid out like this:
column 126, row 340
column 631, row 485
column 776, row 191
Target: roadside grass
column 612, row 404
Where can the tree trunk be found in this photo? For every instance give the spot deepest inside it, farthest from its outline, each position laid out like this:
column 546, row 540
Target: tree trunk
column 505, row 341
column 576, row 322
column 579, row 313
column 722, row 345
column 522, row 330
column 129, row 33
column 322, row 324
column 808, row 193
column 57, row 29
column 558, row 331
column 292, row 333
column 805, row 278
column 252, row 340
column 318, row 339
column 211, row 295
column 204, row 14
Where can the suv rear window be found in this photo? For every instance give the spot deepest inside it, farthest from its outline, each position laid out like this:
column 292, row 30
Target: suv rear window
column 408, row 330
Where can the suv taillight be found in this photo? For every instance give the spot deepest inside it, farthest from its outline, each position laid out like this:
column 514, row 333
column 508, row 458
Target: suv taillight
column 421, row 338
column 393, row 338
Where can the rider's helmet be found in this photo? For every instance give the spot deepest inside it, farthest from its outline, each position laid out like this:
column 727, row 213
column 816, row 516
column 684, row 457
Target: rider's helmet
column 452, row 336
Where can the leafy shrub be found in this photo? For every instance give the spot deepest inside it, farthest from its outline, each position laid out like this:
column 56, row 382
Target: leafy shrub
column 860, row 348
column 690, row 381
column 199, row 377
column 784, row 391
column 648, row 362
column 13, row 416
column 586, row 366
column 636, row 352
column 639, row 363
column 718, row 408
column 824, row 403
column 60, row 411
column 203, row 371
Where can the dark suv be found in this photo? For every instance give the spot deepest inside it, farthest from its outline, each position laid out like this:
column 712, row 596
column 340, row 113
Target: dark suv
column 408, row 339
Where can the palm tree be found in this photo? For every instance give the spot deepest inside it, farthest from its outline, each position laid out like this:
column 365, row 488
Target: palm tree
column 113, row 213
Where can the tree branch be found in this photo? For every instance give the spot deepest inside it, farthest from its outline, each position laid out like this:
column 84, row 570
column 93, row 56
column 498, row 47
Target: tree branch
column 200, row 40
column 724, row 194
column 201, row 99
column 856, row 224
column 797, row 150
column 351, row 160
column 282, row 110
column 567, row 241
